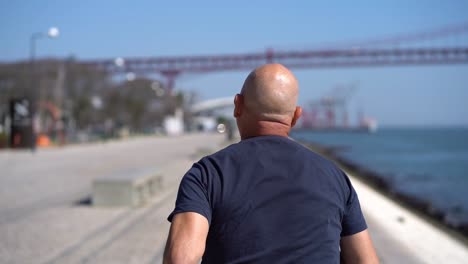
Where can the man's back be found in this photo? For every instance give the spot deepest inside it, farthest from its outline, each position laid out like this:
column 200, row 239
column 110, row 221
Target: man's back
column 270, row 200
column 267, row 199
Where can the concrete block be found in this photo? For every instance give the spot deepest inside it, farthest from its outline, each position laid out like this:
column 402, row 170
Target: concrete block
column 130, row 187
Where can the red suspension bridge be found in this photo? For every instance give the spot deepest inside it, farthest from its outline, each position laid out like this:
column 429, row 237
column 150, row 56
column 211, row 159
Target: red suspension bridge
column 410, row 49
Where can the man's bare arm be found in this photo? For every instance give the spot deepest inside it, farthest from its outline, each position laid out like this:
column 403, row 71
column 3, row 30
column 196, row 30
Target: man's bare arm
column 358, row 248
column 187, row 238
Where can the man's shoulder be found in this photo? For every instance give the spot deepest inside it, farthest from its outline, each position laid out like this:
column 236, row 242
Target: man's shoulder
column 309, row 153
column 233, row 152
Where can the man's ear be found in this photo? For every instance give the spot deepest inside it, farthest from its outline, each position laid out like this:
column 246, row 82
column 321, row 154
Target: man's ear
column 238, row 105
column 297, row 115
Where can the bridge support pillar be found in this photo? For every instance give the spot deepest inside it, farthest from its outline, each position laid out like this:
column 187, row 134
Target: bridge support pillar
column 170, row 79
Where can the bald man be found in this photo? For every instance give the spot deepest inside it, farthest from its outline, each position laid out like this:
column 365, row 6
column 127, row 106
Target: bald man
column 267, row 199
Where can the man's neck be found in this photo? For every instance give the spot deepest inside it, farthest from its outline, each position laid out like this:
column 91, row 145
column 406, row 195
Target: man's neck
column 266, row 128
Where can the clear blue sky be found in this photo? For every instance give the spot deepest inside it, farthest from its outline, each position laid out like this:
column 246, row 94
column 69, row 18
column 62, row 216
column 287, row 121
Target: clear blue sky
column 426, row 95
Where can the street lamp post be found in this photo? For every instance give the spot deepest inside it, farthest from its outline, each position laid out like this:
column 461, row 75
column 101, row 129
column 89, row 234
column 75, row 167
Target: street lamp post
column 53, row 32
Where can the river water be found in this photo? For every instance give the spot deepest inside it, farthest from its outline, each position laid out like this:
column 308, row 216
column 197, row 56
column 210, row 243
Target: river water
column 430, row 164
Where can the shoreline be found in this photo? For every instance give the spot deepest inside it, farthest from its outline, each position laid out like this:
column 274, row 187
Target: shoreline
column 378, row 183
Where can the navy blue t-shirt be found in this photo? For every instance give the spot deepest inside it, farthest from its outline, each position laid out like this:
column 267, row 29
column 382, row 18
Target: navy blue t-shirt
column 269, row 199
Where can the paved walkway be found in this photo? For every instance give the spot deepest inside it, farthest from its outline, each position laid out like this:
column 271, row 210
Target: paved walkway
column 401, row 236
column 42, row 221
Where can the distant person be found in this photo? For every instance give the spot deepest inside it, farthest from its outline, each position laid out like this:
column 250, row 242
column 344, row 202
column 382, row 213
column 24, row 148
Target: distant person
column 267, row 199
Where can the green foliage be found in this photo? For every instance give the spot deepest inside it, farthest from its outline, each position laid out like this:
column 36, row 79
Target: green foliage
column 3, row 140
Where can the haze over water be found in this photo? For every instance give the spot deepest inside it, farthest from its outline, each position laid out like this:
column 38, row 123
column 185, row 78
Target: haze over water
column 430, row 164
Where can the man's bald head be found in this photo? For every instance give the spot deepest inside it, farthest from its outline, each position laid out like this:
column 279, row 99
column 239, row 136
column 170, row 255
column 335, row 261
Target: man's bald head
column 270, row 92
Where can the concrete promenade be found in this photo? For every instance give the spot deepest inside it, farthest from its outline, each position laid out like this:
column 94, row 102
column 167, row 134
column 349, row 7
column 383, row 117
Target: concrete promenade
column 43, row 221
column 45, row 216
column 400, row 236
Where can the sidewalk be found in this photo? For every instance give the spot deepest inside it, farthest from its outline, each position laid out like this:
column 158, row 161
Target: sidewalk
column 401, row 236
column 41, row 222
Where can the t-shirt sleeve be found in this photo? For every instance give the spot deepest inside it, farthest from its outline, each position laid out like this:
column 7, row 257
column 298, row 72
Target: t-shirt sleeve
column 353, row 220
column 192, row 195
